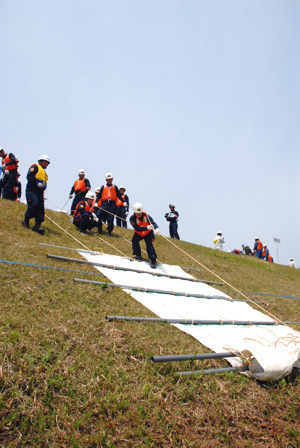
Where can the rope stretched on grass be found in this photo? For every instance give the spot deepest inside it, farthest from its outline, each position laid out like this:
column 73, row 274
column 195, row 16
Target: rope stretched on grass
column 224, row 281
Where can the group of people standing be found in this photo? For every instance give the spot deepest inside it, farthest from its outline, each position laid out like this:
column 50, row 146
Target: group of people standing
column 10, row 186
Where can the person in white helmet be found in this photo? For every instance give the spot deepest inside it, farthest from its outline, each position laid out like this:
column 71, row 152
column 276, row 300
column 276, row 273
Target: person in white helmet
column 172, row 217
column 37, row 180
column 108, row 196
column 219, row 241
column 144, row 227
column 9, row 174
column 122, row 211
column 291, row 263
column 80, row 188
column 84, row 216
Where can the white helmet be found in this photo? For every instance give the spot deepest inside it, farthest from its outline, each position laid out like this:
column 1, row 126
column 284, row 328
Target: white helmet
column 137, row 208
column 256, row 238
column 89, row 195
column 264, row 245
column 171, row 205
column 81, row 171
column 219, row 232
column 44, row 157
column 122, row 188
column 97, row 189
column 2, row 149
column 108, row 176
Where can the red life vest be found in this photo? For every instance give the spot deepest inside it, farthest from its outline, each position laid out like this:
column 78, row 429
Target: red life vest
column 264, row 253
column 259, row 245
column 109, row 193
column 118, row 203
column 143, row 222
column 87, row 208
column 79, row 185
column 270, row 258
column 5, row 160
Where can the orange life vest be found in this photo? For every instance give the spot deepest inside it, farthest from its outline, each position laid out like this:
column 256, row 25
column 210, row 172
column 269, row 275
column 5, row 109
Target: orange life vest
column 259, row 245
column 270, row 258
column 143, row 222
column 118, row 203
column 99, row 202
column 109, row 193
column 87, row 208
column 5, row 160
column 79, row 185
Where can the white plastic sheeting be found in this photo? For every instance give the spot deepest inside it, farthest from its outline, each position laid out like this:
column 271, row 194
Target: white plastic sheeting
column 272, row 350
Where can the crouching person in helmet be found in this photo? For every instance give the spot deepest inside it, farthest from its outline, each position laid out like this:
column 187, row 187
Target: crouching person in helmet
column 144, row 228
column 84, row 216
column 37, row 179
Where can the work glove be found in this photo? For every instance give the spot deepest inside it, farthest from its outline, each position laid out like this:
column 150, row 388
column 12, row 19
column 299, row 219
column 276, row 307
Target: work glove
column 125, row 204
column 126, row 214
column 150, row 227
column 70, row 196
column 6, row 172
column 96, row 205
column 40, row 185
column 96, row 219
column 157, row 231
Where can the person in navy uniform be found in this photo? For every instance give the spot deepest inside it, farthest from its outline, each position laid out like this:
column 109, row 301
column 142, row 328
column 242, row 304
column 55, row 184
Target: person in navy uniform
column 9, row 174
column 172, row 217
column 108, row 196
column 37, row 180
column 80, row 188
column 144, row 227
column 258, row 248
column 84, row 216
column 122, row 211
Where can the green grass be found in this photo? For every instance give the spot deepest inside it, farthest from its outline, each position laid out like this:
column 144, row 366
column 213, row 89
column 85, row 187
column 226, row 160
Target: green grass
column 69, row 378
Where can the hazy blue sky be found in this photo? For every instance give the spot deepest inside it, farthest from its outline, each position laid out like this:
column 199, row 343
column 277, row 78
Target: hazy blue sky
column 190, row 101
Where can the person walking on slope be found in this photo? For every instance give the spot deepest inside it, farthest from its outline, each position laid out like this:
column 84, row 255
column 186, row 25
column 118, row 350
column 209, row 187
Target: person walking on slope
column 84, row 216
column 37, row 179
column 258, row 248
column 219, row 241
column 108, row 196
column 80, row 188
column 172, row 217
column 144, row 227
column 122, row 211
column 9, row 174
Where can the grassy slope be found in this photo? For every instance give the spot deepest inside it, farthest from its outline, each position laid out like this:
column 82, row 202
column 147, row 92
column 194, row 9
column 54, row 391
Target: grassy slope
column 69, row 378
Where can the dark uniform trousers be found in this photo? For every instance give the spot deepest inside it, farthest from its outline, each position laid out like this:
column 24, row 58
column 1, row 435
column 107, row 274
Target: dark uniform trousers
column 107, row 206
column 121, row 210
column 148, row 240
column 36, row 209
column 173, row 228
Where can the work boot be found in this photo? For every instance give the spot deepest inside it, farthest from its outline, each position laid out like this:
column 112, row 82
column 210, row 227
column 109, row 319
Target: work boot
column 38, row 229
column 25, row 224
column 138, row 258
column 109, row 234
column 82, row 231
column 153, row 263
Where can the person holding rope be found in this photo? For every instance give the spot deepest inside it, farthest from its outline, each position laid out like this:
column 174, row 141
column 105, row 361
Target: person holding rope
column 80, row 188
column 84, row 216
column 37, row 179
column 108, row 196
column 144, row 227
column 122, row 211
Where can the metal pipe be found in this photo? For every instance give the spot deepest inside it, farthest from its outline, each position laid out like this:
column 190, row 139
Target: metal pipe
column 211, row 371
column 158, row 291
column 50, row 267
column 193, row 357
column 117, row 268
column 70, row 248
column 194, row 321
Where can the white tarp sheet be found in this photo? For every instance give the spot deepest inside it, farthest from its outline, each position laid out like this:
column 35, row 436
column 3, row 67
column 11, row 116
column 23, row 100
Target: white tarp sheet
column 275, row 349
